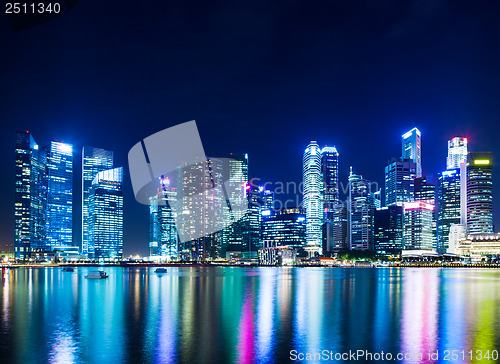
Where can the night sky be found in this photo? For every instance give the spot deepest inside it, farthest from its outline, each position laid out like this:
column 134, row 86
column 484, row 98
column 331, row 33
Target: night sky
column 262, row 77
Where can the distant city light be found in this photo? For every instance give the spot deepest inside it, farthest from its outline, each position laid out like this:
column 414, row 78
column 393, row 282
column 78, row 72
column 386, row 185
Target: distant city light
column 266, row 213
column 65, row 148
column 299, row 219
column 481, row 161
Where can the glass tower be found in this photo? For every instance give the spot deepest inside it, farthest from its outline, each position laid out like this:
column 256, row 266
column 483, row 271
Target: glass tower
column 312, row 193
column 479, row 193
column 449, row 205
column 425, row 191
column 362, row 206
column 30, row 196
column 59, row 213
column 418, row 225
column 251, row 222
column 389, row 229
column 412, row 148
column 106, row 215
column 285, row 226
column 399, row 181
column 163, row 239
column 457, row 152
column 94, row 160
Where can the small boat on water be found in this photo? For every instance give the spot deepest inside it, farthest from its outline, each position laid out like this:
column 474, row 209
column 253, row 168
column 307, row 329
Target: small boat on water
column 161, row 270
column 97, row 274
column 68, row 269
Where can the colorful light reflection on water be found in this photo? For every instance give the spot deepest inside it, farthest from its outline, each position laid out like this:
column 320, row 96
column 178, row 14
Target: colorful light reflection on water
column 244, row 315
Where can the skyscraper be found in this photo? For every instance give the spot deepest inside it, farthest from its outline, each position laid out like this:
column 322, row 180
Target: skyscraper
column 285, row 226
column 425, row 191
column 399, row 181
column 94, row 160
column 449, row 205
column 163, row 239
column 412, row 148
column 30, row 196
column 418, row 225
column 106, row 215
column 457, row 152
column 251, row 222
column 312, row 193
column 59, row 213
column 362, row 206
column 389, row 229
column 479, row 193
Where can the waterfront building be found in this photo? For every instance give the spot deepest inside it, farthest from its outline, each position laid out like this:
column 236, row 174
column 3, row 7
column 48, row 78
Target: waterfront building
column 457, row 152
column 418, row 225
column 273, row 254
column 449, row 206
column 94, row 160
column 480, row 247
column 334, row 234
column 106, row 215
column 457, row 235
column 399, row 181
column 425, row 190
column 312, row 194
column 362, row 206
column 479, row 193
column 412, row 148
column 30, row 199
column 200, row 198
column 163, row 239
column 59, row 212
column 389, row 229
column 285, row 226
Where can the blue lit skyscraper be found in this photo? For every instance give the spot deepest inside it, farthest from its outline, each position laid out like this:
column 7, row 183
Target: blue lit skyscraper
column 94, row 160
column 479, row 193
column 400, row 181
column 106, row 215
column 412, row 148
column 362, row 206
column 163, row 239
column 449, row 205
column 457, row 152
column 312, row 194
column 59, row 213
column 30, row 196
column 418, row 225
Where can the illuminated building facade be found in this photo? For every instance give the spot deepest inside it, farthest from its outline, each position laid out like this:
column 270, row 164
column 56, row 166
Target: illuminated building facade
column 425, row 190
column 251, row 222
column 362, row 206
column 449, row 205
column 399, row 181
column 418, row 225
column 457, row 152
column 59, row 213
column 312, row 193
column 479, row 193
column 285, row 226
column 106, row 215
column 30, row 197
column 163, row 239
column 412, row 148
column 94, row 160
column 389, row 229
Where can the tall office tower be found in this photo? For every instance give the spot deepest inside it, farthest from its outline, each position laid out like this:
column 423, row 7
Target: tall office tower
column 30, row 196
column 479, row 193
column 59, row 212
column 334, row 211
column 232, row 234
column 106, row 215
column 251, row 222
column 425, row 190
column 268, row 200
column 94, row 160
column 163, row 239
column 362, row 206
column 412, row 148
column 285, row 226
column 312, row 193
column 389, row 229
column 399, row 181
column 418, row 225
column 199, row 197
column 457, row 152
column 449, row 206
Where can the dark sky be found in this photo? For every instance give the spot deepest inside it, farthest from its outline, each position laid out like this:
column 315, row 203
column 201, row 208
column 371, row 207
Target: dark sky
column 262, row 77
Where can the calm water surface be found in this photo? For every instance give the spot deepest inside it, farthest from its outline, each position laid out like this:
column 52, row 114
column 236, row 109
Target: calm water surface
column 219, row 315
